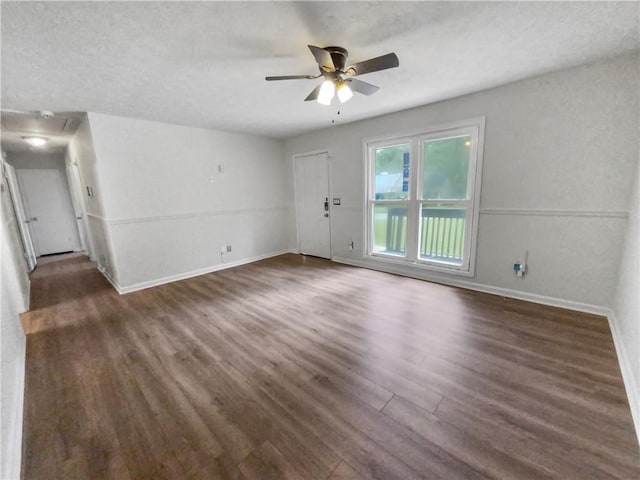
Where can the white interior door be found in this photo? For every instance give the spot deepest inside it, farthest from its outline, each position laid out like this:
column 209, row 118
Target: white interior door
column 313, row 205
column 21, row 217
column 49, row 213
column 75, row 189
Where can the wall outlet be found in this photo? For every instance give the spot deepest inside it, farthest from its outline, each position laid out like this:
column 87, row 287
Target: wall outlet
column 519, row 268
column 228, row 248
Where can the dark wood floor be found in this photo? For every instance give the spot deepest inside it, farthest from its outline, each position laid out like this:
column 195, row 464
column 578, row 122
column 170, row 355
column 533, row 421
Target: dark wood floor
column 300, row 368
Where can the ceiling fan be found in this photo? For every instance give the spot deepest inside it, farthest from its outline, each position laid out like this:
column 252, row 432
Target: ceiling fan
column 339, row 78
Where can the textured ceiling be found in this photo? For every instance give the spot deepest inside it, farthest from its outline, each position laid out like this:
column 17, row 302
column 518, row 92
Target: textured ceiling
column 203, row 64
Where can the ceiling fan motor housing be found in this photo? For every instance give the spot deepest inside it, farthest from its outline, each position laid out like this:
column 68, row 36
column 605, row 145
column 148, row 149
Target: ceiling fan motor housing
column 339, row 57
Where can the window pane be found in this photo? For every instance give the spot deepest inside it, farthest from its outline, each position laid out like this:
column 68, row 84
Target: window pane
column 445, row 168
column 392, row 173
column 442, row 233
column 390, row 229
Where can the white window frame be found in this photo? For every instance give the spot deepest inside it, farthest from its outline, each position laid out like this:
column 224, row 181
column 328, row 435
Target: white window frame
column 471, row 127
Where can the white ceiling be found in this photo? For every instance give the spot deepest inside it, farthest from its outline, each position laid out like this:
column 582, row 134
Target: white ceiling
column 203, row 64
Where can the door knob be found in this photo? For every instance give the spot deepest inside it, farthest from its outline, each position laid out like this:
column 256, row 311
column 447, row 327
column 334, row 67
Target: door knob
column 326, row 214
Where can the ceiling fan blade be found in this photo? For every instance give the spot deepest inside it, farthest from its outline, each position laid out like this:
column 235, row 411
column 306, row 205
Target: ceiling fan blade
column 323, row 58
column 361, row 87
column 390, row 60
column 291, row 77
column 314, row 94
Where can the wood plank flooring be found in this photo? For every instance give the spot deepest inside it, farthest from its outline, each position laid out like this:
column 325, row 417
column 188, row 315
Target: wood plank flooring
column 300, row 368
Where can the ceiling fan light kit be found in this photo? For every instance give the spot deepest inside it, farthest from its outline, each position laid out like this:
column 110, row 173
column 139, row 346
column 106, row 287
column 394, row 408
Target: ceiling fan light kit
column 327, row 91
column 338, row 78
column 344, row 92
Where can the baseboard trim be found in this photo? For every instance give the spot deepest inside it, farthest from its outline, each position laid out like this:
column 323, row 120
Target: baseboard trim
column 478, row 287
column 113, row 283
column 183, row 276
column 627, row 372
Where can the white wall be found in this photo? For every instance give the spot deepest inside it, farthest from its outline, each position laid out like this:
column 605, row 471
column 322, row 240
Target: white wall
column 173, row 195
column 36, row 159
column 14, row 299
column 559, row 152
column 625, row 322
column 81, row 151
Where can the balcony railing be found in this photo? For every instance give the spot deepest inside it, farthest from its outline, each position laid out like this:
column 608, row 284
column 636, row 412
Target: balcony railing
column 441, row 233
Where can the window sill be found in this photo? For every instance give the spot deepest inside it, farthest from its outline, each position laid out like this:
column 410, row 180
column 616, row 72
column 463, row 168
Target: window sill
column 414, row 265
